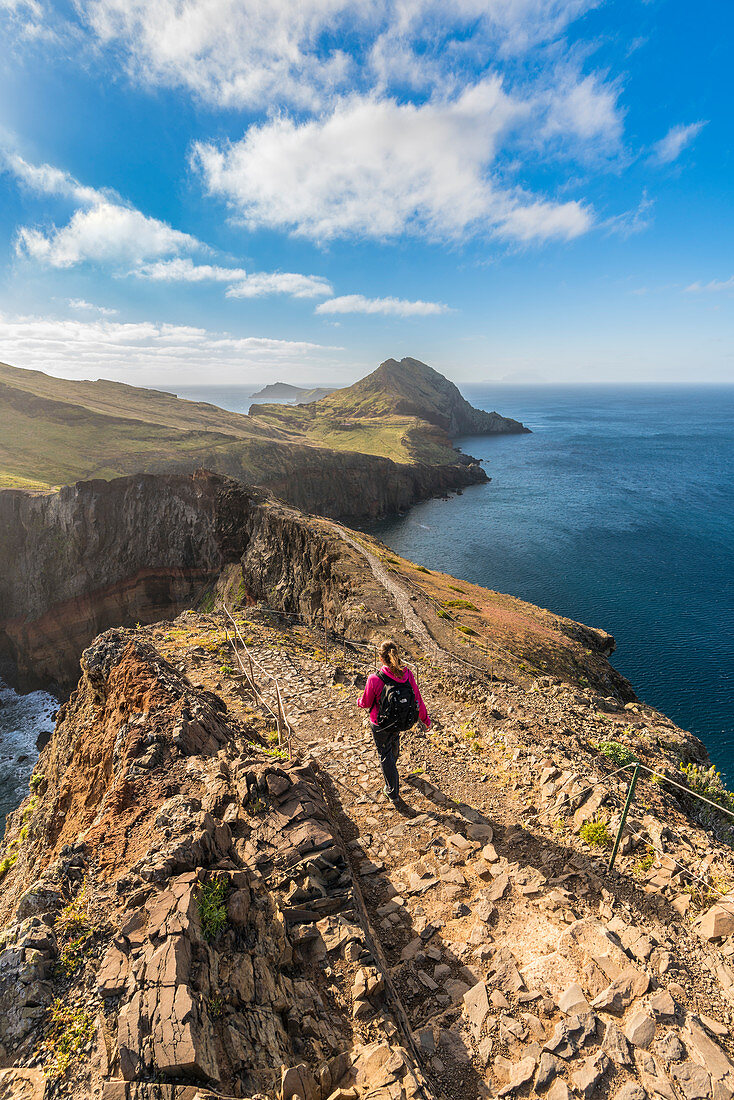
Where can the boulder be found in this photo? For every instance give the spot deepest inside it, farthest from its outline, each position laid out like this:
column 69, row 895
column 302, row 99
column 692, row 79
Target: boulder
column 692, row 1080
column 718, row 921
column 640, row 1028
column 476, row 1007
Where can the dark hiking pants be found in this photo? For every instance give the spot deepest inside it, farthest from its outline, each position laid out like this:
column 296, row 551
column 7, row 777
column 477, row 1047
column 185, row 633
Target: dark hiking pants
column 388, row 750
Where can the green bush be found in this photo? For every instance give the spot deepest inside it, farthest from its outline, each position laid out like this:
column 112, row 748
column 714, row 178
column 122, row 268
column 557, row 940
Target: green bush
column 595, row 832
column 708, row 782
column 71, row 1031
column 210, row 900
column 461, row 603
column 36, row 782
column 617, row 752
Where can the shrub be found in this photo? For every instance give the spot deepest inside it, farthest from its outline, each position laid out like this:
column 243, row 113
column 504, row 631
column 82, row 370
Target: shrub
column 422, row 569
column 595, row 832
column 71, row 1031
column 465, row 629
column 36, row 782
column 73, row 920
column 461, row 603
column 708, row 782
column 72, row 954
column 210, row 900
column 617, row 752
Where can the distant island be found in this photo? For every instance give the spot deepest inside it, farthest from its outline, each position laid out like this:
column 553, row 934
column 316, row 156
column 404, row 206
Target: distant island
column 300, row 395
column 362, row 451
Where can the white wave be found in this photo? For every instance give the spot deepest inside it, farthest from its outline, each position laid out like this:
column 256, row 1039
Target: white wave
column 22, row 719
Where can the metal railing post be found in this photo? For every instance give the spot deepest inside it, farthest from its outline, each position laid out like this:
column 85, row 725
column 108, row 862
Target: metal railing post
column 628, row 802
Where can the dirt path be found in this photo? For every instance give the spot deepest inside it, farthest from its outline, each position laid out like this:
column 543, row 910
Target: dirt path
column 413, row 622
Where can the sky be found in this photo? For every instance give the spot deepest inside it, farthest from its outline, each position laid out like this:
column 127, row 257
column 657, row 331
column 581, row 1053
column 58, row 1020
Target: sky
column 245, row 191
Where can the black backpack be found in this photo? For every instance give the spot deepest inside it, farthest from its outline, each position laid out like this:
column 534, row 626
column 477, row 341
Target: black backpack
column 398, row 709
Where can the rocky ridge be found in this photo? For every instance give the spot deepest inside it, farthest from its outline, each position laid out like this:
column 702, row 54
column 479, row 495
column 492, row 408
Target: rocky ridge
column 189, row 913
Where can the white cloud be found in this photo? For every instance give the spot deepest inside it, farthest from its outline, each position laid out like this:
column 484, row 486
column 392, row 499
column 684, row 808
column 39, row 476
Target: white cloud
column 675, row 141
column 105, row 234
column 139, row 352
column 48, row 180
column 103, row 230
column 378, row 168
column 580, row 114
column 90, row 307
column 243, row 284
column 395, row 307
column 257, row 53
column 716, row 286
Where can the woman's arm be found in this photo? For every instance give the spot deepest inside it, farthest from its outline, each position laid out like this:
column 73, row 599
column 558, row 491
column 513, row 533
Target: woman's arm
column 371, row 691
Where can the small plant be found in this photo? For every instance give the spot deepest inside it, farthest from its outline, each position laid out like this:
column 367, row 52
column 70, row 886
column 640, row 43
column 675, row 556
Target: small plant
column 461, row 603
column 72, row 954
column 560, row 826
column 72, row 1029
column 644, row 864
column 216, row 1006
column 74, row 917
column 6, row 863
column 465, row 629
column 422, row 569
column 454, row 588
column 210, row 900
column 36, row 782
column 441, row 613
column 617, row 752
column 595, row 832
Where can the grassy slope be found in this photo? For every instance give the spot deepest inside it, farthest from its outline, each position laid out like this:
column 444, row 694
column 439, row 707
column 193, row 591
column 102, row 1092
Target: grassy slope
column 54, row 431
column 394, row 411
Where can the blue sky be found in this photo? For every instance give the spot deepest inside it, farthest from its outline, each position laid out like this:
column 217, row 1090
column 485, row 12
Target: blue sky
column 239, row 191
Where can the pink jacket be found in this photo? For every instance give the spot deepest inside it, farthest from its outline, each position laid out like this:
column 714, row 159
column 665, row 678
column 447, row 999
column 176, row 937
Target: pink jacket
column 370, row 697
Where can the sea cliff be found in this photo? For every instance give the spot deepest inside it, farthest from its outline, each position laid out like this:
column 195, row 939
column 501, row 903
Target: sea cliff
column 205, row 893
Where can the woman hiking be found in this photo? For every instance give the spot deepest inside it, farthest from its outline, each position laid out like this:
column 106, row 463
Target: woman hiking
column 394, row 702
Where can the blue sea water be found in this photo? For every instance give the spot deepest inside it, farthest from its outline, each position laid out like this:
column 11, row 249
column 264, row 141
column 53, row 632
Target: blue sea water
column 618, row 511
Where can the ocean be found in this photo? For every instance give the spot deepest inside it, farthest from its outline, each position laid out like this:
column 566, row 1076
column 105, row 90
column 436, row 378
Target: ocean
column 618, row 511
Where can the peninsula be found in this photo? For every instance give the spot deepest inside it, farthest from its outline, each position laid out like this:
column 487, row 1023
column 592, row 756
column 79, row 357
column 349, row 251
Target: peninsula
column 375, row 447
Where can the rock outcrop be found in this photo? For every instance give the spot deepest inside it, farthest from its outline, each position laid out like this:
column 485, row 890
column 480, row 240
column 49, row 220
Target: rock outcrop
column 104, row 553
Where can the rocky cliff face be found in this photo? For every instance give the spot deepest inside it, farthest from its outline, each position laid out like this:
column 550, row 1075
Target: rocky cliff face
column 133, row 550
column 103, row 553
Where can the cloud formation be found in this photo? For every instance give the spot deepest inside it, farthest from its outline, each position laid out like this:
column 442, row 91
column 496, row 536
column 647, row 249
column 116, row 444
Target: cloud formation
column 378, row 168
column 678, row 138
column 141, row 352
column 716, row 286
column 105, row 234
column 259, row 53
column 390, row 307
column 242, row 284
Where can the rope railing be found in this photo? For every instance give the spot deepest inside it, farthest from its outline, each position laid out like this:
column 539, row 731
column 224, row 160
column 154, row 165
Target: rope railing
column 284, row 727
column 281, row 719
